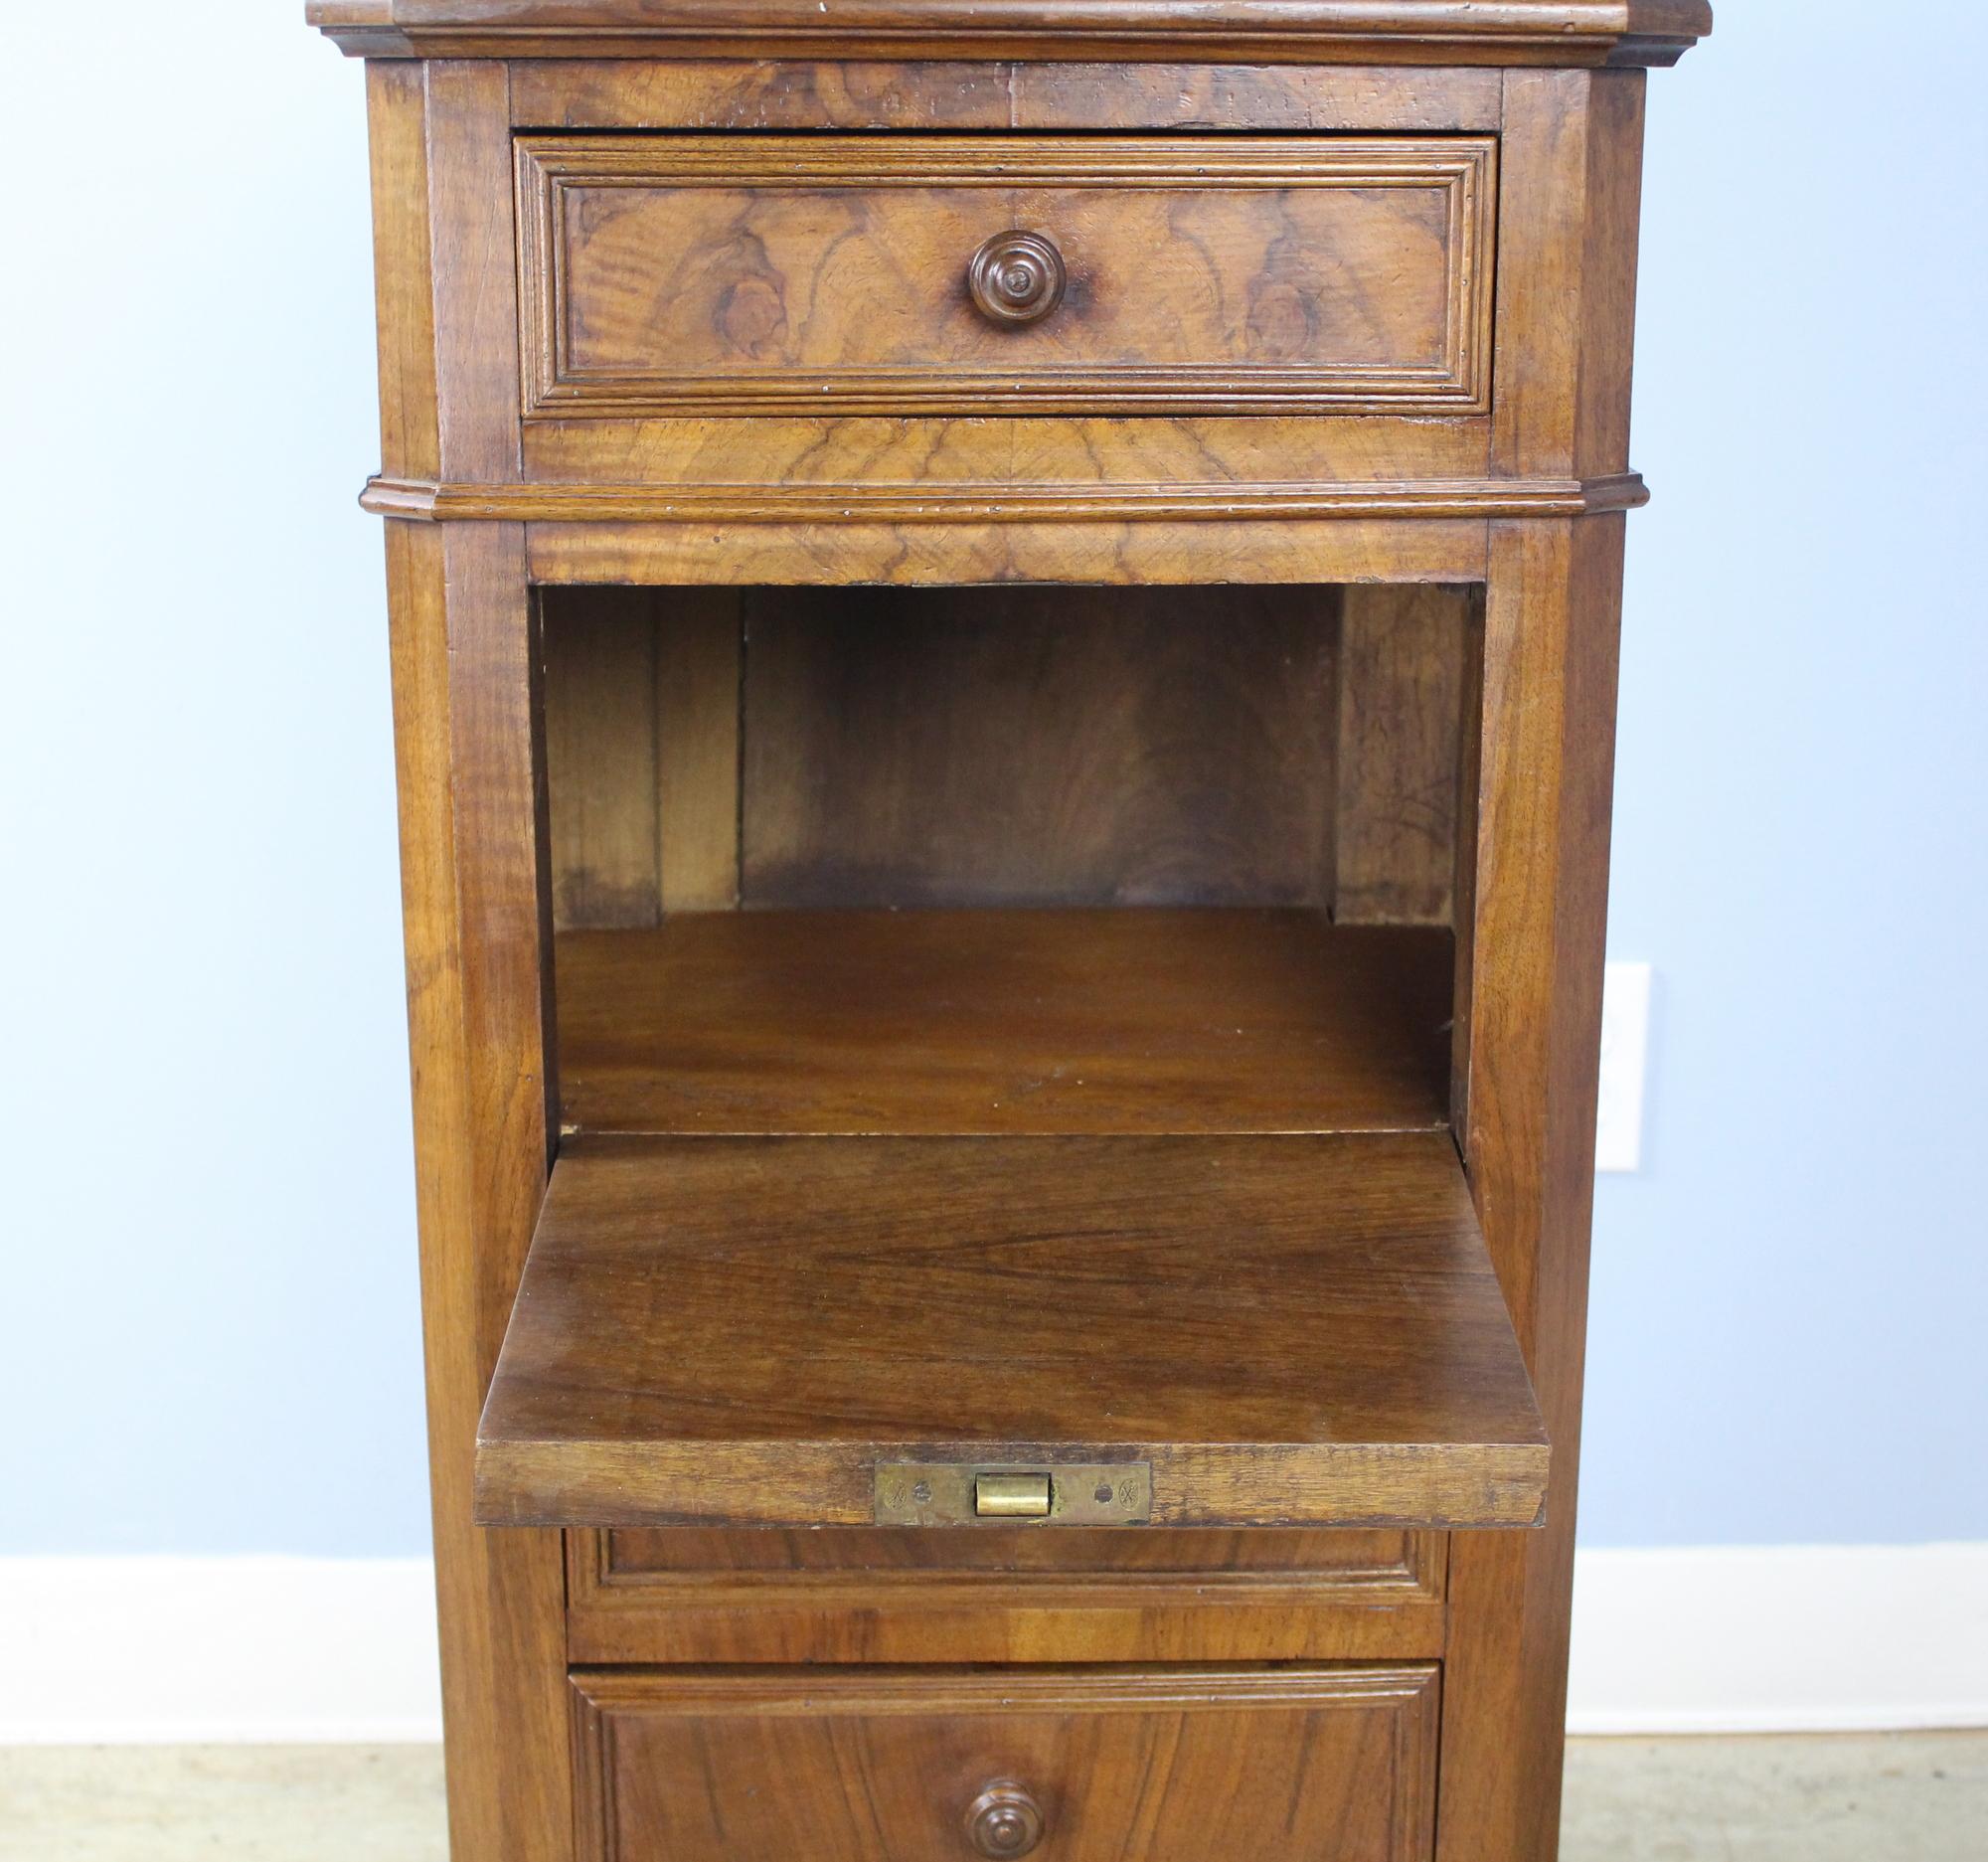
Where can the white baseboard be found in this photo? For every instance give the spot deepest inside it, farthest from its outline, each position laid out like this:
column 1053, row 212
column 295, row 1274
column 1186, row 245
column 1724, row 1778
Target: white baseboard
column 278, row 1650
column 1779, row 1638
column 214, row 1650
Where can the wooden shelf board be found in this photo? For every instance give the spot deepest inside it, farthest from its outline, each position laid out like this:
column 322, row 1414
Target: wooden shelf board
column 999, row 1022
column 737, row 1331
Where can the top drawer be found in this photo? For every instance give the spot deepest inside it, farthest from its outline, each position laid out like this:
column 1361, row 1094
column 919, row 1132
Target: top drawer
column 749, row 274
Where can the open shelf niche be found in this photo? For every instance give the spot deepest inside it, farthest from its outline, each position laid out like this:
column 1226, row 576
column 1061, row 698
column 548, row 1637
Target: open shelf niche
column 1008, row 1027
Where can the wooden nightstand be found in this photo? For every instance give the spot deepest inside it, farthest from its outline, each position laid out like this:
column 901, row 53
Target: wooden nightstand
column 1004, row 627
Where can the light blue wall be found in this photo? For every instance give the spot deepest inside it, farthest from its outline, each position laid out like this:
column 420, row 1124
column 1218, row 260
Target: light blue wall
column 1791, row 1303
column 207, row 1317
column 207, row 1314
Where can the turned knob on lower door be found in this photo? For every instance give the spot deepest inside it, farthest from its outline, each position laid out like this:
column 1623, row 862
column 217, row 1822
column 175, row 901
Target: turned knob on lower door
column 1005, row 1820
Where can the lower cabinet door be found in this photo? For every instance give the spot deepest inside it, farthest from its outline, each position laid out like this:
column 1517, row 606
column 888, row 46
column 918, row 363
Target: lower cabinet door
column 1329, row 1763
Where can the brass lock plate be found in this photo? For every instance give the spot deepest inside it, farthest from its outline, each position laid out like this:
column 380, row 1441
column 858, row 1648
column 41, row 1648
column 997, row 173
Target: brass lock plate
column 1009, row 1493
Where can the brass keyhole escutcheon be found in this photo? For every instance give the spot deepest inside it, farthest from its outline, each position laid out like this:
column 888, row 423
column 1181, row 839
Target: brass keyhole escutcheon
column 1005, row 1820
column 1016, row 279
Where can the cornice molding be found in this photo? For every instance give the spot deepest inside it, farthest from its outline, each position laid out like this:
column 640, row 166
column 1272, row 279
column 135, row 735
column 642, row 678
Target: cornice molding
column 419, row 501
column 1322, row 32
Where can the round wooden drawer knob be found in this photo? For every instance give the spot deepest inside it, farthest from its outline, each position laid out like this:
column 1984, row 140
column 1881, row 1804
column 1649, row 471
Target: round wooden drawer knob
column 1016, row 277
column 1003, row 1821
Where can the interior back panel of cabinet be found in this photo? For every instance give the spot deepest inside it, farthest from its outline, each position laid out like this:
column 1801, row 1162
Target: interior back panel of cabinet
column 1024, row 745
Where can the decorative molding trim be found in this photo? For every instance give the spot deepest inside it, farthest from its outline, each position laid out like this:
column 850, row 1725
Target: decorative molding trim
column 1422, row 32
column 424, row 502
column 1714, row 1639
column 1360, row 1596
column 1412, row 1575
column 566, row 179
column 623, row 1714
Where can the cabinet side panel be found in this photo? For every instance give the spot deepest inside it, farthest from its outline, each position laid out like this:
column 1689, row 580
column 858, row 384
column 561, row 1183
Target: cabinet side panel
column 642, row 751
column 473, row 218
column 600, row 757
column 1529, row 1040
column 1540, row 902
column 463, row 702
column 1463, row 894
column 1402, row 680
column 1570, row 180
column 463, row 726
column 1614, row 229
column 402, row 267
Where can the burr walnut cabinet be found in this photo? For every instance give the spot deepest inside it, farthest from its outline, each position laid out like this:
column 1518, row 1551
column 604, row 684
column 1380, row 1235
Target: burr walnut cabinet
column 1004, row 632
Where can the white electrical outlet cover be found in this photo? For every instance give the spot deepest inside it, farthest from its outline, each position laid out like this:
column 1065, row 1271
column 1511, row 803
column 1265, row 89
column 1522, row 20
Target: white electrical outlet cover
column 1625, row 1052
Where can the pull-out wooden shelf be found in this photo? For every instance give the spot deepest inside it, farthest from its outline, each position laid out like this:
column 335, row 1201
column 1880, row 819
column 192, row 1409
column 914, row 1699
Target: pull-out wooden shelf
column 1288, row 1331
column 999, row 1022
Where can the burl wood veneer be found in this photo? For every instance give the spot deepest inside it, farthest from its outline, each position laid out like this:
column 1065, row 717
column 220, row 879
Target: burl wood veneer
column 792, row 273
column 1004, row 632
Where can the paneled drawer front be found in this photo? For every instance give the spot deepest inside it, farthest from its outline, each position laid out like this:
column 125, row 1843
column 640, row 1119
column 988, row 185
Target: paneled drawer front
column 1205, row 1558
column 1304, row 1764
column 688, row 1595
column 829, row 274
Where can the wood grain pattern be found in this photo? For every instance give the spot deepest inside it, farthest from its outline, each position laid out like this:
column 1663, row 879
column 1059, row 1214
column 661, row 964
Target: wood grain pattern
column 772, row 95
column 476, row 946
column 934, row 468
column 1325, row 32
column 1464, row 890
column 1039, row 746
column 1527, row 1077
column 1127, row 555
column 700, row 645
column 681, row 1558
column 1567, row 277
column 908, row 504
column 1402, row 678
column 867, row 1596
column 1169, row 1765
column 1550, row 633
column 1020, row 1022
column 472, row 242
column 987, row 458
column 600, row 756
column 462, row 720
column 735, row 274
column 403, row 269
column 1506, row 498
column 953, row 749
column 1293, row 1331
column 641, row 731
